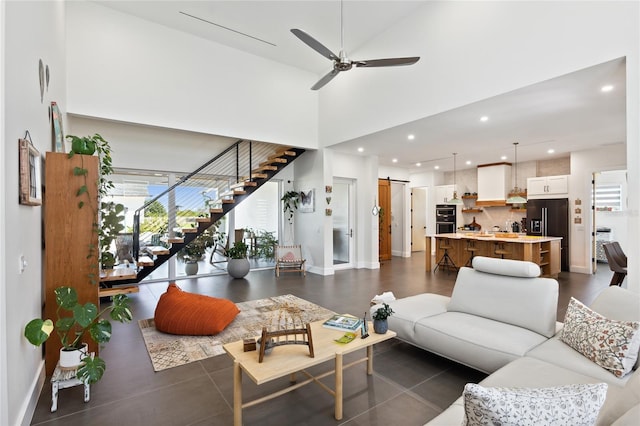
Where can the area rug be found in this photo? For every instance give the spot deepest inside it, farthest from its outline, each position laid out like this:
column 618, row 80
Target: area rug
column 170, row 350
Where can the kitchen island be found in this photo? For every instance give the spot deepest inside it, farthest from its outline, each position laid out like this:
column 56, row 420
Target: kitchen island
column 543, row 251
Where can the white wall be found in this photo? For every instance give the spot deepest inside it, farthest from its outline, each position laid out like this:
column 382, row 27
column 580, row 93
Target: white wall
column 124, row 68
column 583, row 165
column 475, row 50
column 4, row 399
column 22, row 299
column 151, row 148
column 362, row 169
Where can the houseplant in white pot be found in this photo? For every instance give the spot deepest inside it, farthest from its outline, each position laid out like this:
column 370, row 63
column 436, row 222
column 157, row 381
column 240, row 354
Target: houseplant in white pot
column 193, row 252
column 380, row 323
column 238, row 265
column 75, row 323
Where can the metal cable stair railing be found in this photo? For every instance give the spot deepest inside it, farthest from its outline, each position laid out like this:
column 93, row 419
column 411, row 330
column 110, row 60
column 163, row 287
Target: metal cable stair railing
column 196, row 203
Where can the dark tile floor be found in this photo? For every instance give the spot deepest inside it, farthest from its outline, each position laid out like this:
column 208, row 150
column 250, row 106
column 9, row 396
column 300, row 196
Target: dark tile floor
column 409, row 386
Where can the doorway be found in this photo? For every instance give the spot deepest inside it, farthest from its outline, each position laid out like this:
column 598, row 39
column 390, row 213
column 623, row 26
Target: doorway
column 342, row 203
column 418, row 219
column 384, row 219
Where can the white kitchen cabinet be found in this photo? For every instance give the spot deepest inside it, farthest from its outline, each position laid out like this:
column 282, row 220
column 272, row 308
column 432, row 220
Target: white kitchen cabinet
column 548, row 186
column 444, row 193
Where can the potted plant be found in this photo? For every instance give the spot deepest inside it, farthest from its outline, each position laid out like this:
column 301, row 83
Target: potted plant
column 111, row 224
column 193, row 252
column 290, row 201
column 238, row 264
column 380, row 324
column 84, row 321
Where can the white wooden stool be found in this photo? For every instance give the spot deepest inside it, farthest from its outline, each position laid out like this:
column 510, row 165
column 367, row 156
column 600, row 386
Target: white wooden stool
column 66, row 378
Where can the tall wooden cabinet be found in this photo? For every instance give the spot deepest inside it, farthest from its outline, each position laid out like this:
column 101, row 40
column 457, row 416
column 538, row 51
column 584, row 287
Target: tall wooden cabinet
column 68, row 236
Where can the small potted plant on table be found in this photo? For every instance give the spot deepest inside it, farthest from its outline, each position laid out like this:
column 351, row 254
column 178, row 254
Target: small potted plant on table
column 380, row 323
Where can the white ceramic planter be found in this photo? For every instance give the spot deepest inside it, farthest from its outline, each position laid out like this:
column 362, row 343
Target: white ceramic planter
column 191, row 268
column 71, row 359
column 238, row 268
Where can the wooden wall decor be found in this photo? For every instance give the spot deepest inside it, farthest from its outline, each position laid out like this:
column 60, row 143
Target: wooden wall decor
column 30, row 173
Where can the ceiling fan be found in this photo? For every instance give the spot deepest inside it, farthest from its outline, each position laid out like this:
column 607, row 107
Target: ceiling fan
column 342, row 62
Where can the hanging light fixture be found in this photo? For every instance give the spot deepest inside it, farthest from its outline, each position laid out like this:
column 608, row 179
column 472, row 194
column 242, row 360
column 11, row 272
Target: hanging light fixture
column 455, row 199
column 514, row 195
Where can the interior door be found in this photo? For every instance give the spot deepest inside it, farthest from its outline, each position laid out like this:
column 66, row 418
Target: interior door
column 418, row 219
column 342, row 204
column 384, row 218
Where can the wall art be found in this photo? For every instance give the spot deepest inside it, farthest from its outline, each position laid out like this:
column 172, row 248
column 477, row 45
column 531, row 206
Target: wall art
column 307, row 201
column 30, row 173
column 57, row 132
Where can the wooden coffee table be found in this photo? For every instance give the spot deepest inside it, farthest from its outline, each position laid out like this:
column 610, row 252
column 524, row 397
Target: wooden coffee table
column 290, row 359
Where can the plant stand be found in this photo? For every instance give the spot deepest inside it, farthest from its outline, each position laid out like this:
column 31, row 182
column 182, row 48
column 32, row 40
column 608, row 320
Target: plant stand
column 66, row 378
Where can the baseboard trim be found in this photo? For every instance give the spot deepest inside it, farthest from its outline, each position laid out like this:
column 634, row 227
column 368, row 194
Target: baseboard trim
column 29, row 405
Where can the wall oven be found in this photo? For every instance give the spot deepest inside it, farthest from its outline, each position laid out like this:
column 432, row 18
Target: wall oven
column 445, row 219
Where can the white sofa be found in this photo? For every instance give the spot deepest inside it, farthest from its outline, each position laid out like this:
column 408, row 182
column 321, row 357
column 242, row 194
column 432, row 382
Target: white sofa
column 500, row 319
column 498, row 311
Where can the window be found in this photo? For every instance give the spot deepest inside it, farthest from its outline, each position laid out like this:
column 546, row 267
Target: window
column 608, row 197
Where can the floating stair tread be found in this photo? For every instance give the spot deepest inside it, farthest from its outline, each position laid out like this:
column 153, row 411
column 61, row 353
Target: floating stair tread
column 231, row 201
column 259, row 176
column 281, row 153
column 274, row 160
column 106, row 292
column 267, row 167
column 203, row 219
column 118, row 274
column 189, row 231
column 156, row 250
column 215, row 211
column 145, row 261
column 234, row 192
column 175, row 240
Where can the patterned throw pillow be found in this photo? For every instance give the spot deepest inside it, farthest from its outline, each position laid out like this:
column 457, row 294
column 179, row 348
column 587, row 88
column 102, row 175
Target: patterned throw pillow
column 554, row 406
column 611, row 344
column 289, row 257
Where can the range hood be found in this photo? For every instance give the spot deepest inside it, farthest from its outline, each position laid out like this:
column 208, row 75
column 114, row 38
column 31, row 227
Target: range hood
column 494, row 181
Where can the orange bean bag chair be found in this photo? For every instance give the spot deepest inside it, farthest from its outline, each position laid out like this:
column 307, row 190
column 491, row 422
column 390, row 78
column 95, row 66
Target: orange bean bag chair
column 180, row 312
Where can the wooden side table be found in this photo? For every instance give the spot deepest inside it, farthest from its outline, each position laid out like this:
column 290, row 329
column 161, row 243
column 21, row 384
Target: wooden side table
column 66, row 378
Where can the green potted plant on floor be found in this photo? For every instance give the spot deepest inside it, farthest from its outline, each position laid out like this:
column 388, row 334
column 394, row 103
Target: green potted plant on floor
column 238, row 265
column 75, row 322
column 380, row 323
column 193, row 252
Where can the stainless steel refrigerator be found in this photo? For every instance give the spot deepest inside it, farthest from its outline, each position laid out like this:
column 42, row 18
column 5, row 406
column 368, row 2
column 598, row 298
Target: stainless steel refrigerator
column 551, row 218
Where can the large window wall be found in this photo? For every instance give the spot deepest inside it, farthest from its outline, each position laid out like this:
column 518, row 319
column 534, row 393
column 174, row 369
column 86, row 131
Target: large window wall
column 255, row 220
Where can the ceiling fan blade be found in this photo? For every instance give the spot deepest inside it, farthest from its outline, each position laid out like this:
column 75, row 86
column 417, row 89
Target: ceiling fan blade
column 391, row 62
column 324, row 80
column 314, row 44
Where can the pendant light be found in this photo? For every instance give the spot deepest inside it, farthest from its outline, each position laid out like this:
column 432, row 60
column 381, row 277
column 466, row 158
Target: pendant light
column 455, row 199
column 514, row 195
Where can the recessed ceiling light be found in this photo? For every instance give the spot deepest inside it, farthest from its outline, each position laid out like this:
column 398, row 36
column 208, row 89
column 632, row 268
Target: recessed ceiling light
column 607, row 88
column 418, row 164
column 504, row 157
column 468, row 162
column 361, row 149
column 436, row 167
column 411, row 137
column 551, row 151
column 395, row 160
column 484, row 118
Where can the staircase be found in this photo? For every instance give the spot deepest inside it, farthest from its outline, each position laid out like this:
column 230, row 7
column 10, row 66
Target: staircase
column 195, row 203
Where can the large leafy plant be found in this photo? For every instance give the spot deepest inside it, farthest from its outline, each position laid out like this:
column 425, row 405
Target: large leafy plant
column 75, row 322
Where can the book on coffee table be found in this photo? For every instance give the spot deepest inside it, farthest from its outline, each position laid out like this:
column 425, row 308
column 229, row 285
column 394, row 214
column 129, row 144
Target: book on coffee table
column 344, row 322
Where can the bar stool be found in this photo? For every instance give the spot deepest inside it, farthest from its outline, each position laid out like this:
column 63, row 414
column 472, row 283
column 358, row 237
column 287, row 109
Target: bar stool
column 446, row 261
column 471, row 248
column 500, row 250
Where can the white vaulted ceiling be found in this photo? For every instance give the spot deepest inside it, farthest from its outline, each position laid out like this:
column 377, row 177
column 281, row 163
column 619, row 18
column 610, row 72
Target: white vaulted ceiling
column 566, row 113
